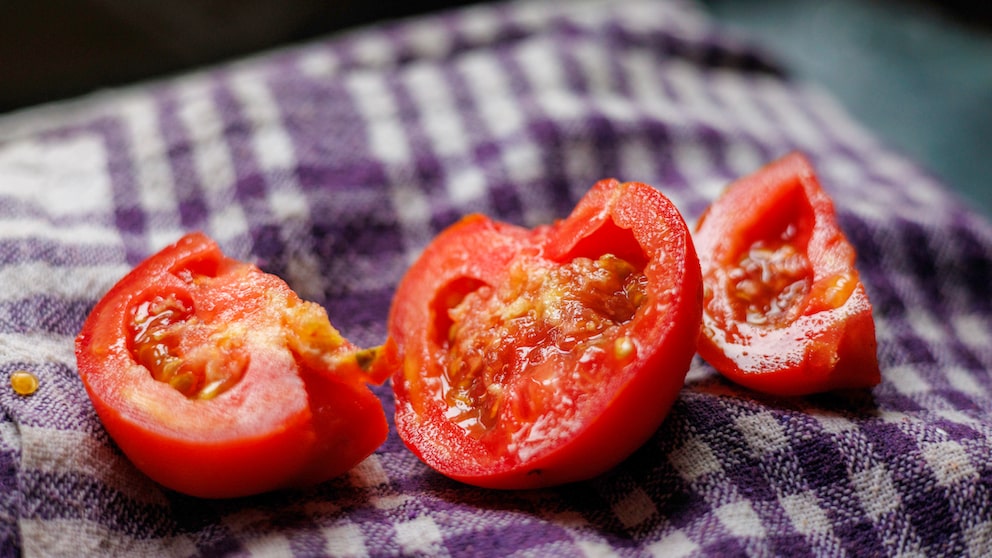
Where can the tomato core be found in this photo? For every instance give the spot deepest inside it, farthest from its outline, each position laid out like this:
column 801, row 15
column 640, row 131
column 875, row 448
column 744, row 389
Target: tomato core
column 513, row 336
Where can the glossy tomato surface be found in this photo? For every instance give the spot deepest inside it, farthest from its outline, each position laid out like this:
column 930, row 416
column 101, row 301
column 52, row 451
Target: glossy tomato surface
column 216, row 380
column 785, row 311
column 539, row 357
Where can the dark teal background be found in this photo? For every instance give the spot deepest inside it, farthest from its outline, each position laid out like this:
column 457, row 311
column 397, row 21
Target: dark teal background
column 919, row 75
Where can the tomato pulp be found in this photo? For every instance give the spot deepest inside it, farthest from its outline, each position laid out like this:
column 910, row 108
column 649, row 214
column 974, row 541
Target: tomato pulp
column 535, row 357
column 216, row 380
column 784, row 309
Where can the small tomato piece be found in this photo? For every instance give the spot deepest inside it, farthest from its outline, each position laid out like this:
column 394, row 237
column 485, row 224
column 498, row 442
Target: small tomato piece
column 784, row 310
column 539, row 357
column 216, row 380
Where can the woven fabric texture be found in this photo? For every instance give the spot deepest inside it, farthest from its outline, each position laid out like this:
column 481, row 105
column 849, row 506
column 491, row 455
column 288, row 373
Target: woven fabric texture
column 332, row 163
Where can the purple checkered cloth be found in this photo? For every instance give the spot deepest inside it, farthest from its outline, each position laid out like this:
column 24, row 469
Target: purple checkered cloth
column 332, row 163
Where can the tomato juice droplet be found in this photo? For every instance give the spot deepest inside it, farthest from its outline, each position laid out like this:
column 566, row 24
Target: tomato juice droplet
column 23, row 382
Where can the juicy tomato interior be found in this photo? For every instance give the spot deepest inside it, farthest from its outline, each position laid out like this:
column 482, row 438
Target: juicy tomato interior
column 217, row 380
column 764, row 266
column 769, row 283
column 544, row 356
column 199, row 360
column 515, row 351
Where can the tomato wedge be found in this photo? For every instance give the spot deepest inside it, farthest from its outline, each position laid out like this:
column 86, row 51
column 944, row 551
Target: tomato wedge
column 216, row 380
column 536, row 357
column 784, row 310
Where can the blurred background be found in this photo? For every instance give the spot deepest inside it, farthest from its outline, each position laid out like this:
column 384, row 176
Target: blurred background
column 916, row 72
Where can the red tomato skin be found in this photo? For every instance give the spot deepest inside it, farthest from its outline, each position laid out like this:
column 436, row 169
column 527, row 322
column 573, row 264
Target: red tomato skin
column 283, row 425
column 827, row 346
column 631, row 402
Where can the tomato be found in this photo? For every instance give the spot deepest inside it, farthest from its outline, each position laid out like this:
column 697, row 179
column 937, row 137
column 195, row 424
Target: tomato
column 536, row 357
column 784, row 310
column 216, row 380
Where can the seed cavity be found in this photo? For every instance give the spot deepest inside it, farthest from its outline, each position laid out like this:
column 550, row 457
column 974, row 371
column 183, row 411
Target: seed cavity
column 506, row 343
column 769, row 283
column 181, row 351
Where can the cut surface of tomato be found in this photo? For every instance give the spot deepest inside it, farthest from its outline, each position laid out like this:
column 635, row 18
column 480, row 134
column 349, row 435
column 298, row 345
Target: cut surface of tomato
column 216, row 380
column 535, row 357
column 784, row 310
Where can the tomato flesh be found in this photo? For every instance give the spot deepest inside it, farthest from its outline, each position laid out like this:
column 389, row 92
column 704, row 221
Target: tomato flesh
column 784, row 311
column 216, row 380
column 535, row 357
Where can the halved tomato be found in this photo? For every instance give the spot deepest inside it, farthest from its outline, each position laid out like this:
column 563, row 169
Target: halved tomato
column 539, row 357
column 216, row 380
column 785, row 311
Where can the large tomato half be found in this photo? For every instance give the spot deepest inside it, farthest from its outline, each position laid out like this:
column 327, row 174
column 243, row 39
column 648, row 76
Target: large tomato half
column 216, row 380
column 784, row 309
column 539, row 357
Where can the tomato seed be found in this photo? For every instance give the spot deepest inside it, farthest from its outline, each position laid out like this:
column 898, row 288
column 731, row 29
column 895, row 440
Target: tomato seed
column 624, row 349
column 769, row 283
column 24, row 382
